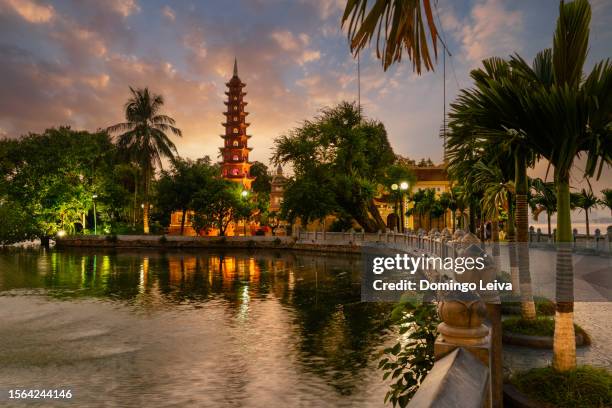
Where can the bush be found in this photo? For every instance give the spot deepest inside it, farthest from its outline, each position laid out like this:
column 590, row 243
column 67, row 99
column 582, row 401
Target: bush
column 541, row 326
column 277, row 241
column 585, row 387
column 163, row 239
column 111, row 238
column 408, row 363
column 260, row 232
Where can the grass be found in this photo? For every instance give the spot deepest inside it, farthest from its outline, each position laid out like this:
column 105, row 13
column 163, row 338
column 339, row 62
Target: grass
column 541, row 326
column 585, row 387
column 544, row 307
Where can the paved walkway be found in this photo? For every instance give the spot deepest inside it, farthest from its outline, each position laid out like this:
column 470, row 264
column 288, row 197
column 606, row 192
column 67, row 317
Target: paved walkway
column 594, row 318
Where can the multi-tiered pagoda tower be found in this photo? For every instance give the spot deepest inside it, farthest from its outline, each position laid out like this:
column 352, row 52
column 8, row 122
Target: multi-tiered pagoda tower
column 235, row 151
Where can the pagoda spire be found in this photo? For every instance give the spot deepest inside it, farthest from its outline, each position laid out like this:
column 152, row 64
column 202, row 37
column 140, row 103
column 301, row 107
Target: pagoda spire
column 235, row 151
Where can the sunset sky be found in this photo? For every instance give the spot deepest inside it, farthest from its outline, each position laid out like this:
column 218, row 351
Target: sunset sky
column 71, row 62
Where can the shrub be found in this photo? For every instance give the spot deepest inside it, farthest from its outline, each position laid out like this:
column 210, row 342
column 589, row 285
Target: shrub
column 585, row 387
column 277, row 241
column 163, row 239
column 408, row 363
column 111, row 238
column 541, row 326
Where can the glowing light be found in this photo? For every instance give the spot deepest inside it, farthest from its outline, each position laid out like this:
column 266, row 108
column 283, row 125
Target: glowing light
column 61, row 233
column 245, row 193
column 404, row 185
column 394, row 186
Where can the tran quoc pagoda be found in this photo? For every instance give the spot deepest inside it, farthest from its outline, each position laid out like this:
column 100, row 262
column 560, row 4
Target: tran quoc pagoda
column 235, row 165
column 235, row 150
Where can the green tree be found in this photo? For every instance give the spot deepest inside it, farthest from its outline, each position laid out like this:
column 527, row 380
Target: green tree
column 17, row 225
column 55, row 175
column 446, row 201
column 144, row 138
column 219, row 204
column 607, row 198
column 398, row 25
column 545, row 199
column 177, row 187
column 587, row 201
column 338, row 159
column 558, row 112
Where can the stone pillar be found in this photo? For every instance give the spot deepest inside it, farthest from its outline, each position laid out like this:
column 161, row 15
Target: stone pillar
column 462, row 315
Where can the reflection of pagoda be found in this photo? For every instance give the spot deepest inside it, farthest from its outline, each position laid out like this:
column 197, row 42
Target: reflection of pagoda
column 235, row 151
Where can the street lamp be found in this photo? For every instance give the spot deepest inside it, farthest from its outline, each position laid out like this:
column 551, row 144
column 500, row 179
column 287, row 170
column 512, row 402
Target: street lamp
column 94, row 213
column 403, row 188
column 394, row 187
column 244, row 195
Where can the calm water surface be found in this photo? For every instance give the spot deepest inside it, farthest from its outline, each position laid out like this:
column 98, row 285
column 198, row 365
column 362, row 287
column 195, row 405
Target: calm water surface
column 200, row 329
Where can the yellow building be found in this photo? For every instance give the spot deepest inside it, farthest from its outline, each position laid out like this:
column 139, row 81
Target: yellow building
column 427, row 176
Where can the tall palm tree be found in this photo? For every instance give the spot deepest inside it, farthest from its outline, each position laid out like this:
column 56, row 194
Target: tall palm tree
column 398, row 26
column 559, row 113
column 587, row 201
column 567, row 114
column 144, row 137
column 474, row 129
column 607, row 198
column 545, row 199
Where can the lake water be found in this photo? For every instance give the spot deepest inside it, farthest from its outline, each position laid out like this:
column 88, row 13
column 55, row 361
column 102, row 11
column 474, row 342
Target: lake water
column 197, row 329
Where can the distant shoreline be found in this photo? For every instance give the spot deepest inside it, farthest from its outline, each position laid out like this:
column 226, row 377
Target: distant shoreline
column 580, row 226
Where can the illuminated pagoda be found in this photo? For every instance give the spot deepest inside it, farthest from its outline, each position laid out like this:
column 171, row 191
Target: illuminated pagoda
column 235, row 164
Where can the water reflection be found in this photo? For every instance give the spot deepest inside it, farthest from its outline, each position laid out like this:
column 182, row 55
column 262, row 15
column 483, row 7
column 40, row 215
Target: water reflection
column 292, row 318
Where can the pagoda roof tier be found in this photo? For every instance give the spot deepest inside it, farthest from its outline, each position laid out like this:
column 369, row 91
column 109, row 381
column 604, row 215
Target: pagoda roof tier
column 245, row 125
column 243, row 103
column 235, row 148
column 226, row 136
column 242, row 113
column 235, row 84
column 231, row 93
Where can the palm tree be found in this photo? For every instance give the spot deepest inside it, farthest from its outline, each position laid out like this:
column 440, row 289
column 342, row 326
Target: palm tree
column 607, row 200
column 446, row 201
column 566, row 114
column 398, row 26
column 143, row 136
column 545, row 199
column 587, row 201
column 554, row 109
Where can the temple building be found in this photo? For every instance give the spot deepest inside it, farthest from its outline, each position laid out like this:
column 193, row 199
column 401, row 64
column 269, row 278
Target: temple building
column 235, row 164
column 277, row 189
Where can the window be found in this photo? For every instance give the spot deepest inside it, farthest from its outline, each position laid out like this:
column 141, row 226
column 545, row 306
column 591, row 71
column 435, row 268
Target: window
column 235, row 157
column 235, row 143
column 235, row 172
column 235, row 118
column 235, row 107
column 235, row 98
column 235, row 130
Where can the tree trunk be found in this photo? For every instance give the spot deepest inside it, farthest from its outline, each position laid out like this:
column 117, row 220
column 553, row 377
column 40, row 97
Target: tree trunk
column 44, row 241
column 183, row 221
column 145, row 210
column 453, row 220
column 472, row 215
column 522, row 234
column 145, row 217
column 376, row 215
column 564, row 344
column 586, row 212
column 514, row 273
column 549, row 230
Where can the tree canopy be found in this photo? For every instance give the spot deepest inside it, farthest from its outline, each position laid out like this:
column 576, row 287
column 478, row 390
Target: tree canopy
column 338, row 158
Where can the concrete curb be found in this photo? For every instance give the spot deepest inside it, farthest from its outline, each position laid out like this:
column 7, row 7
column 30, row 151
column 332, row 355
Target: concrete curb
column 541, row 342
column 513, row 398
